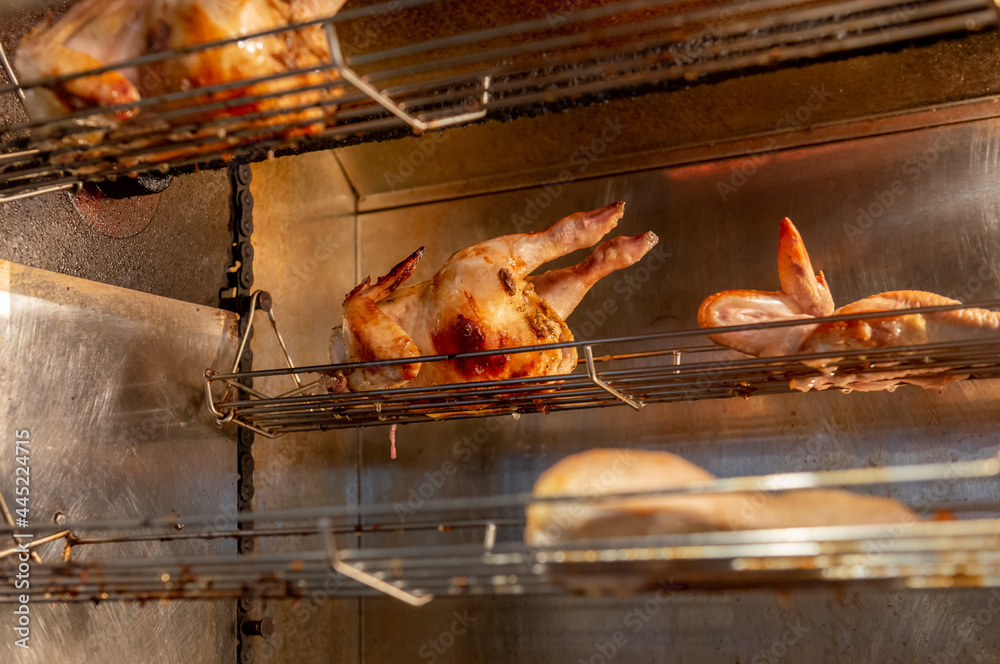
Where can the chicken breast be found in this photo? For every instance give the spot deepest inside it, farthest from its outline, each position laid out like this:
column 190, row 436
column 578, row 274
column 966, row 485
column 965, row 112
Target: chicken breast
column 601, row 472
column 482, row 298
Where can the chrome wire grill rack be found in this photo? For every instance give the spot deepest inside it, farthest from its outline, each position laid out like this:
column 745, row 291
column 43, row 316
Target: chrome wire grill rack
column 633, row 371
column 553, row 61
column 447, row 552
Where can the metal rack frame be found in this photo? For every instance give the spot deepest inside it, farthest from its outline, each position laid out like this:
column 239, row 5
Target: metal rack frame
column 920, row 554
column 568, row 58
column 635, row 371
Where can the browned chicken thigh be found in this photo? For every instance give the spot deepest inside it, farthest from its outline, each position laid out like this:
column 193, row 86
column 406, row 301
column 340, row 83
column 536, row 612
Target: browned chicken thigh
column 481, row 299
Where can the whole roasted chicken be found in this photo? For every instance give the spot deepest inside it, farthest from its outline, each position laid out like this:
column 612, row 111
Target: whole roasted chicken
column 482, row 298
column 98, row 33
column 805, row 295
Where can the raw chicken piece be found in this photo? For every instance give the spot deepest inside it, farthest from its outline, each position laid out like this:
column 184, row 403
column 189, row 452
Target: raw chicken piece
column 481, row 299
column 606, row 471
column 96, row 33
column 804, row 297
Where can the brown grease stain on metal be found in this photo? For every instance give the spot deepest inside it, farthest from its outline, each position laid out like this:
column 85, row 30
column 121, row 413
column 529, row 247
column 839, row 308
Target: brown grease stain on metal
column 113, row 217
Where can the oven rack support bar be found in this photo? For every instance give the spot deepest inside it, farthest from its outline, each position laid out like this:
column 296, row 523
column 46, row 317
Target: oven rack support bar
column 659, row 378
column 925, row 553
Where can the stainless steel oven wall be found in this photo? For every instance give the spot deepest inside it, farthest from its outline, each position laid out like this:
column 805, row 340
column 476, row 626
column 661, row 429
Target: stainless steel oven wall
column 908, row 210
column 304, row 255
column 107, row 383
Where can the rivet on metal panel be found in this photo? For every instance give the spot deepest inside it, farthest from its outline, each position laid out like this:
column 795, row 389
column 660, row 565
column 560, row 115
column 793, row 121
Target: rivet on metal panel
column 247, row 545
column 263, row 627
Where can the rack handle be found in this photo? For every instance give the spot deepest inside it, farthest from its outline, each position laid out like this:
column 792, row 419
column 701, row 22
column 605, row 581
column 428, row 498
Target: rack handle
column 592, row 373
column 418, row 125
column 341, row 567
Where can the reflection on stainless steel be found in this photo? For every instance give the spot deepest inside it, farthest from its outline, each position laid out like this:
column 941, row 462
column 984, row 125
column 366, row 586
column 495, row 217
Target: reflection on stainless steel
column 101, row 377
column 576, row 53
column 663, row 378
column 906, row 554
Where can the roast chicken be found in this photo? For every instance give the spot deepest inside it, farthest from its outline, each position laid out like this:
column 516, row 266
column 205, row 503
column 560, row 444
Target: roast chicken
column 482, row 298
column 600, row 472
column 805, row 295
column 97, row 33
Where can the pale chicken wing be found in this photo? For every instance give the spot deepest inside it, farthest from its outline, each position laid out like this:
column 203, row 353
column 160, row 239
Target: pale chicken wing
column 803, row 295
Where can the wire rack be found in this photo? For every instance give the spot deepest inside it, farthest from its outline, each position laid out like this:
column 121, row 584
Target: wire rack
column 451, row 553
column 554, row 61
column 624, row 371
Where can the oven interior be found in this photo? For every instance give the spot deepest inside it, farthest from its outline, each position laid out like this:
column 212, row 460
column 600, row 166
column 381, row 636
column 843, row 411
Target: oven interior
column 175, row 537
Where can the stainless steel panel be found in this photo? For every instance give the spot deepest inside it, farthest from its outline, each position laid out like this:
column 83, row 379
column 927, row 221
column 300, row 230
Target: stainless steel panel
column 937, row 229
column 660, row 128
column 304, row 255
column 108, row 382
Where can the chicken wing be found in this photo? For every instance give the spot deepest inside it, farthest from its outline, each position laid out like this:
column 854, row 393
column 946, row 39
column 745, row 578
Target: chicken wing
column 482, row 298
column 804, row 297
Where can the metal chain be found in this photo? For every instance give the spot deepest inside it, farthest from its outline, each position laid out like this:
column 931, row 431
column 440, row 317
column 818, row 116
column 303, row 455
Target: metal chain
column 237, row 298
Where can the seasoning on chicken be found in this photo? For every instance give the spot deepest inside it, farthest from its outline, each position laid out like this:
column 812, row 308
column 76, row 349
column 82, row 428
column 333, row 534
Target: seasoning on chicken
column 805, row 296
column 601, row 472
column 98, row 33
column 482, row 298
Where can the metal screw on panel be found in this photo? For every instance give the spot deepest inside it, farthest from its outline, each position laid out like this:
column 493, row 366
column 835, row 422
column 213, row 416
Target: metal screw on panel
column 246, row 603
column 59, row 517
column 247, row 492
column 263, row 627
column 246, row 655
